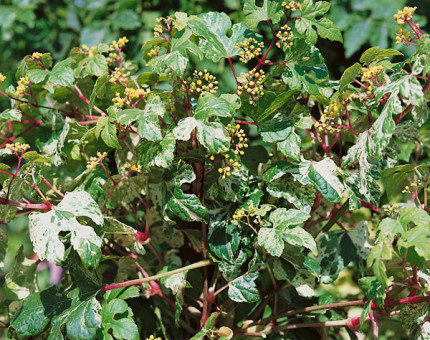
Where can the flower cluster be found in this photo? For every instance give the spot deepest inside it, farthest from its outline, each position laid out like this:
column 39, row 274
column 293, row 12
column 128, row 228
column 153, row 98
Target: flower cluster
column 237, row 132
column 158, row 29
column 119, row 76
column 413, row 187
column 325, row 123
column 251, row 49
column 292, row 5
column 333, row 109
column 402, row 35
column 253, row 85
column 130, row 94
column 36, row 56
column 112, row 57
column 118, row 45
column 20, row 90
column 153, row 53
column 2, row 78
column 369, row 73
column 404, row 15
column 18, row 147
column 285, row 35
column 204, row 83
column 135, row 168
column 243, row 212
column 392, row 210
column 94, row 161
column 153, row 338
column 89, row 51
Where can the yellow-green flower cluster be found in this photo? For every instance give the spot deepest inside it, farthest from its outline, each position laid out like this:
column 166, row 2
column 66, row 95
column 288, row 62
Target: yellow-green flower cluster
column 22, row 83
column 325, row 123
column 89, row 51
column 369, row 73
column 158, row 29
column 118, row 45
column 204, row 82
column 404, row 15
column 392, row 210
column 241, row 139
column 333, row 109
column 413, row 187
column 135, row 93
column 112, row 57
column 285, row 35
column 2, row 78
column 130, row 95
column 94, row 161
column 243, row 212
column 119, row 76
column 253, row 85
column 153, row 53
column 135, row 168
column 17, row 147
column 402, row 35
column 292, row 5
column 251, row 49
column 36, row 55
column 151, row 337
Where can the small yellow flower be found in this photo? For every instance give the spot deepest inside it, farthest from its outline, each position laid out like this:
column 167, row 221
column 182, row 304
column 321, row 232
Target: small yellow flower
column 18, row 147
column 135, row 168
column 36, row 55
column 404, row 15
column 2, row 78
column 118, row 45
column 20, row 89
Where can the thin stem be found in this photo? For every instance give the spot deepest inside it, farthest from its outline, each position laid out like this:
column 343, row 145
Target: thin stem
column 200, row 264
column 41, row 206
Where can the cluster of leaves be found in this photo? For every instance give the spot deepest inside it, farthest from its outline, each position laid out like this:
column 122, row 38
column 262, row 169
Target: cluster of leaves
column 218, row 213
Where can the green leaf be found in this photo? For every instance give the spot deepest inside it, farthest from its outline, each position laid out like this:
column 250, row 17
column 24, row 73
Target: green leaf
column 373, row 289
column 97, row 66
column 244, row 289
column 324, row 27
column 209, row 105
column 81, row 320
column 212, row 135
column 323, row 175
column 305, row 70
column 357, row 35
column 35, row 315
column 270, row 10
column 187, row 206
column 3, row 246
column 283, row 218
column 37, row 75
column 149, row 121
column 290, row 147
column 300, row 238
column 128, row 116
column 212, row 27
column 117, row 320
column 122, row 233
column 108, row 135
column 156, row 153
column 377, row 54
column 349, row 75
column 419, row 238
column 11, row 115
column 62, row 74
column 301, row 196
column 20, row 282
column 170, row 62
column 271, row 240
column 98, row 90
column 45, row 228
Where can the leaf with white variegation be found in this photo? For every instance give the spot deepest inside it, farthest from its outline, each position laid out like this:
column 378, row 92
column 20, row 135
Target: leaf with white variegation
column 45, row 228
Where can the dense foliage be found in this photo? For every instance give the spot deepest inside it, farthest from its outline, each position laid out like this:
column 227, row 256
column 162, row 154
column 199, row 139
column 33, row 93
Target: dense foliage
column 226, row 189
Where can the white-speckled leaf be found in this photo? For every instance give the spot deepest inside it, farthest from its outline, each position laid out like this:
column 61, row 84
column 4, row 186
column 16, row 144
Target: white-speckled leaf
column 170, row 62
column 271, row 240
column 244, row 289
column 45, row 228
column 184, row 128
column 149, row 123
column 123, row 233
column 212, row 27
column 80, row 203
column 304, row 282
